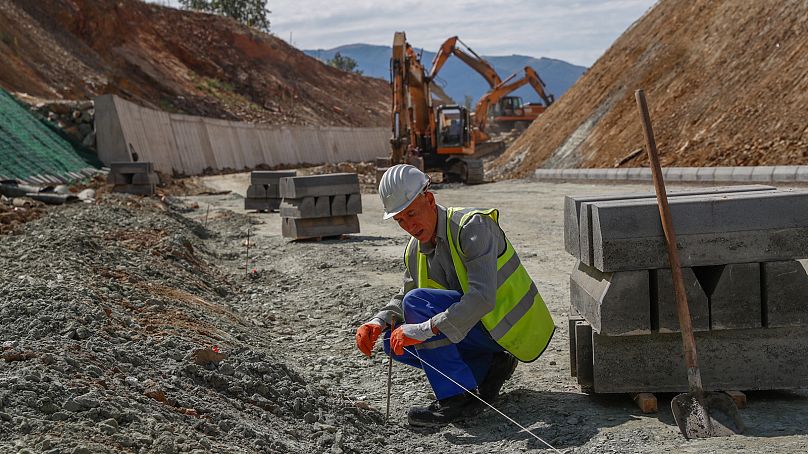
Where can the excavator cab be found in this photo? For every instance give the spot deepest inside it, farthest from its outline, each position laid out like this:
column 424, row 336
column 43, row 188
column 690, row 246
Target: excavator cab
column 509, row 106
column 454, row 131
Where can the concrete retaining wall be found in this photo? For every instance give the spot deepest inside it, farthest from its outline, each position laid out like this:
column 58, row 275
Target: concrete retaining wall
column 187, row 144
column 757, row 174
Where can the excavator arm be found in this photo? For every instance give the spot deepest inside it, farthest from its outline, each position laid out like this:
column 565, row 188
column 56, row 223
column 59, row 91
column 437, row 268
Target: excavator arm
column 467, row 56
column 535, row 81
column 412, row 115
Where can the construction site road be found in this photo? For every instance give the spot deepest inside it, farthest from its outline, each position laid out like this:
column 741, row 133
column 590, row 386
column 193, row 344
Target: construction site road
column 309, row 297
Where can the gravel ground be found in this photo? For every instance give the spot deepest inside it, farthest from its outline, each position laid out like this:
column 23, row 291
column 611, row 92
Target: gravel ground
column 111, row 312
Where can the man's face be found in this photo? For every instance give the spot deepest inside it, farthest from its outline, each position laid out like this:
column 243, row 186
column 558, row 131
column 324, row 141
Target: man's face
column 420, row 219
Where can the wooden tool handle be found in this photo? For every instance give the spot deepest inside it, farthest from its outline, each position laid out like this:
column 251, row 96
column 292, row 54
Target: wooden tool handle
column 682, row 310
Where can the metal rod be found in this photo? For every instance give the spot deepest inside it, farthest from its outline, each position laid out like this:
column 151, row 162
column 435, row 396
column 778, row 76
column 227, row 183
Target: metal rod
column 247, row 260
column 389, row 376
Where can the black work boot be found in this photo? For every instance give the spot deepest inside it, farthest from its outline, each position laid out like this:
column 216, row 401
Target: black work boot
column 501, row 369
column 442, row 412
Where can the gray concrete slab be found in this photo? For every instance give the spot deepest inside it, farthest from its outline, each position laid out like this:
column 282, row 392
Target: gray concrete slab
column 302, row 208
column 354, row 203
column 319, row 227
column 735, row 301
column 663, row 302
column 577, row 214
column 785, row 293
column 317, row 185
column 131, row 167
column 689, row 173
column 710, row 230
column 705, row 173
column 583, row 356
column 270, row 176
column 338, row 205
column 572, row 318
column 322, row 206
column 784, row 174
column 802, row 174
column 762, row 174
column 256, row 191
column 145, row 178
column 728, row 359
column 614, row 304
column 742, row 173
column 723, row 174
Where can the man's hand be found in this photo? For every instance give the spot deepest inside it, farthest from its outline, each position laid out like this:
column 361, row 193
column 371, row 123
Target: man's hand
column 410, row 334
column 366, row 336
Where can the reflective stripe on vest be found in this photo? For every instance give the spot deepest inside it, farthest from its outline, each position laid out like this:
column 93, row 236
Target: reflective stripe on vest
column 520, row 321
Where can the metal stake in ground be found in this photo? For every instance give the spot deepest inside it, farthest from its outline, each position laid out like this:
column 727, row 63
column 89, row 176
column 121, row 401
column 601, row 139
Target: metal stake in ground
column 698, row 414
column 247, row 259
column 389, row 375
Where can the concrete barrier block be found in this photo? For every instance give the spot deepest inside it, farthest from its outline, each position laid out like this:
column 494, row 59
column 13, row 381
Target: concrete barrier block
column 705, row 173
column 572, row 318
column 663, row 302
column 785, row 293
column 613, row 303
column 710, row 230
column 599, row 174
column 689, row 173
column 302, row 208
column 256, row 191
column 583, row 356
column 723, row 174
column 319, row 227
column 742, row 173
column 354, row 203
column 762, row 174
column 728, row 359
column 317, row 185
column 802, row 174
column 271, row 177
column 119, row 178
column 784, row 174
column 735, row 299
column 578, row 214
column 338, row 205
column 131, row 167
column 145, row 178
column 634, row 174
column 322, row 206
column 672, row 174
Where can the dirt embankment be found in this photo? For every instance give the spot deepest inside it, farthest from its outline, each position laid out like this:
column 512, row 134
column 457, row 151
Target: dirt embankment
column 726, row 85
column 178, row 61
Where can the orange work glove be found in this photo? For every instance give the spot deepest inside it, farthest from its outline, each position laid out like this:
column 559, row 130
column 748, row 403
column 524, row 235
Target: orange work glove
column 410, row 334
column 366, row 336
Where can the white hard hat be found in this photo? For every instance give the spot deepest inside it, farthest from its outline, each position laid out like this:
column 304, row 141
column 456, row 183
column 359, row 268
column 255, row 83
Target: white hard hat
column 400, row 185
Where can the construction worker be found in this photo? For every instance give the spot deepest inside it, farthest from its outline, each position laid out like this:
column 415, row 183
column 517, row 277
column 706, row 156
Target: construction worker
column 467, row 307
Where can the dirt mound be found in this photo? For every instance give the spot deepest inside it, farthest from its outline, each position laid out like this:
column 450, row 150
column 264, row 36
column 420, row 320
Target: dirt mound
column 121, row 332
column 725, row 83
column 178, row 61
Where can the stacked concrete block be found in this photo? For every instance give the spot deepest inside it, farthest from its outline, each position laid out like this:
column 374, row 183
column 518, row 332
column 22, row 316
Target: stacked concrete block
column 382, row 164
column 318, row 206
column 263, row 194
column 746, row 289
column 133, row 177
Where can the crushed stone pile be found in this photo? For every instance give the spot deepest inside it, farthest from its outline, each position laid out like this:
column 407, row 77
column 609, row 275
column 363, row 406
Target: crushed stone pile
column 725, row 83
column 118, row 335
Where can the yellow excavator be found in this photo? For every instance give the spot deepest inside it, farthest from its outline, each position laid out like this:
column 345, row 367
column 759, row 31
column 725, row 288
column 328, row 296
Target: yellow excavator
column 439, row 136
column 503, row 112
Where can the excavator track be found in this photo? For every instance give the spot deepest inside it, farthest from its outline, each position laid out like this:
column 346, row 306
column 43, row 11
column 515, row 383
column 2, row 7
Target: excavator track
column 474, row 171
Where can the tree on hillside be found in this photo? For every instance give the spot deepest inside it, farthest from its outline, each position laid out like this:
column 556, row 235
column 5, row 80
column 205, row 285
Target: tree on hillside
column 253, row 13
column 347, row 64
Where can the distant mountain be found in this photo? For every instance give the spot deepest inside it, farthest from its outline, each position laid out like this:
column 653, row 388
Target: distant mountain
column 457, row 79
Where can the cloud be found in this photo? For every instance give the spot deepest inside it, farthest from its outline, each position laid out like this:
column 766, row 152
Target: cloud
column 577, row 31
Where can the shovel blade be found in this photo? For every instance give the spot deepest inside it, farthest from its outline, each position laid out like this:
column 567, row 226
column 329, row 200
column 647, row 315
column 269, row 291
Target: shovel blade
column 706, row 415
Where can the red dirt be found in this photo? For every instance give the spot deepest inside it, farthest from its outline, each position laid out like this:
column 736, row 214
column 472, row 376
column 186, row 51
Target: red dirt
column 726, row 82
column 178, row 61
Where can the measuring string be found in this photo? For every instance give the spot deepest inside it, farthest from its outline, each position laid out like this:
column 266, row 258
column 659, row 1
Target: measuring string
column 525, row 429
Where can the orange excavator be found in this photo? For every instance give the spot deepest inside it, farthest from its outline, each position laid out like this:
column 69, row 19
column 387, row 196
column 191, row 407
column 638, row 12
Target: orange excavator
column 442, row 135
column 467, row 56
column 509, row 112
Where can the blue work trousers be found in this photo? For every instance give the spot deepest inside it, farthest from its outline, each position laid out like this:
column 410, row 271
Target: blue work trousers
column 466, row 362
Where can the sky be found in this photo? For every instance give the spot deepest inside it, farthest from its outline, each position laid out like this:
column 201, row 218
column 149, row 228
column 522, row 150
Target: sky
column 576, row 31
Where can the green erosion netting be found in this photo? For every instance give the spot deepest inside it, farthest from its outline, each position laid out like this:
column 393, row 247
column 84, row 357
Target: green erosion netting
column 33, row 150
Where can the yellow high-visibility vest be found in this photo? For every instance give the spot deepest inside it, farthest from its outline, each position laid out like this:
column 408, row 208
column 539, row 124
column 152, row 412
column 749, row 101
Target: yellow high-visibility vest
column 520, row 321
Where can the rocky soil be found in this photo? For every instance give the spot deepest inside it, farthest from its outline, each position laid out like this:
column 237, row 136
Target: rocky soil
column 139, row 325
column 177, row 61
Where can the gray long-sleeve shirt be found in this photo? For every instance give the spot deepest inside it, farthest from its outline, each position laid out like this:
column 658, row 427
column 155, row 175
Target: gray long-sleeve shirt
column 481, row 241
